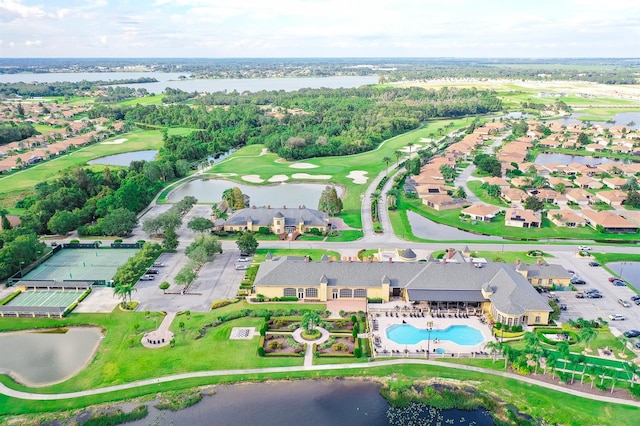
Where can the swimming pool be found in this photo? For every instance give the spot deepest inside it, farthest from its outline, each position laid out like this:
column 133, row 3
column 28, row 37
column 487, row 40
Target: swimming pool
column 406, row 334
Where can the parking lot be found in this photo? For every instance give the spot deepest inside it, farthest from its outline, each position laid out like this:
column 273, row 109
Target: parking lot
column 596, row 278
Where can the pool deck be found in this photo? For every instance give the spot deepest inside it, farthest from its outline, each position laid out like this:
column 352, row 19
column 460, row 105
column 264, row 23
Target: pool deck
column 388, row 347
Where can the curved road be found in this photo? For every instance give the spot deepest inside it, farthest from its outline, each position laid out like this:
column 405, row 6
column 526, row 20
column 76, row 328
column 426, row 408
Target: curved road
column 48, row 397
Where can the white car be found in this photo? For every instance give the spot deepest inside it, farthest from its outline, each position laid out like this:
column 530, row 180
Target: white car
column 584, row 248
column 616, row 317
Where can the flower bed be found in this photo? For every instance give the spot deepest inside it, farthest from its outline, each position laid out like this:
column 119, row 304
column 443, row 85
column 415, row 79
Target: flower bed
column 337, row 346
column 282, row 324
column 281, row 345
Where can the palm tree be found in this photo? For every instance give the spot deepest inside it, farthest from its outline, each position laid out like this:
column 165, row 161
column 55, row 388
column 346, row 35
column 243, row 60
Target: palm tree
column 632, row 369
column 494, row 347
column 398, row 154
column 410, row 145
column 579, row 360
column 550, row 361
column 123, row 291
column 387, row 160
column 587, row 334
column 563, row 349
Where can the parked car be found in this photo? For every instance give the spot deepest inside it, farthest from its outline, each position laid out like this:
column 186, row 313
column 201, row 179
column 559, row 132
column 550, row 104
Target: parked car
column 637, row 301
column 584, row 248
column 616, row 317
column 594, row 264
column 578, row 281
column 624, row 303
column 594, row 296
column 592, row 290
column 158, row 265
column 638, row 345
column 632, row 333
column 612, row 279
column 563, row 307
column 635, row 297
column 619, row 283
column 147, row 277
column 571, row 272
column 579, row 295
column 152, row 271
column 244, row 259
column 241, row 267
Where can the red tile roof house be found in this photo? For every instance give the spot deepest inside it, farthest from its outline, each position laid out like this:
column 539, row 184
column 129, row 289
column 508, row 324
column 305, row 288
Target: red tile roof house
column 521, row 181
column 522, row 218
column 549, row 143
column 482, row 212
column 553, row 181
column 13, row 221
column 594, row 147
column 614, row 198
column 444, row 202
column 547, row 195
column 586, row 182
column 614, row 182
column 502, row 183
column 608, row 222
column 579, row 196
column 567, row 218
column 513, row 195
column 632, row 216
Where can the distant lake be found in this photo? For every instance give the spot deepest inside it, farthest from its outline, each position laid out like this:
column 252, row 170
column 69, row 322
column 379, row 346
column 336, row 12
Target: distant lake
column 213, row 85
column 620, row 119
column 550, row 158
column 284, row 194
column 126, row 158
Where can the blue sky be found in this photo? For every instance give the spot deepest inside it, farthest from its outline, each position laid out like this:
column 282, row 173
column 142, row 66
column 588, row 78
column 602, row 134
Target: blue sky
column 320, row 28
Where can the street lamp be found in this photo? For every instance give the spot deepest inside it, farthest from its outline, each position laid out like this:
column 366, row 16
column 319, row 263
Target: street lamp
column 429, row 328
column 21, row 263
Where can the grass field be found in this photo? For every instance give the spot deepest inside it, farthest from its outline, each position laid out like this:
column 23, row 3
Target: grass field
column 269, row 164
column 21, row 183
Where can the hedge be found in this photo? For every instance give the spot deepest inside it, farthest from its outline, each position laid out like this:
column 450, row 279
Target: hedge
column 573, row 337
column 10, row 297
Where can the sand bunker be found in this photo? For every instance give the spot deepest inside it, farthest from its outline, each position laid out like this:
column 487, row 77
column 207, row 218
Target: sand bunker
column 413, row 148
column 264, row 151
column 359, row 177
column 225, row 174
column 426, row 140
column 252, row 178
column 278, row 178
column 115, row 142
column 308, row 176
column 303, row 166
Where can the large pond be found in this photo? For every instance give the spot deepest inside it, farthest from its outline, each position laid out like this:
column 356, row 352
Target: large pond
column 430, row 230
column 283, row 194
column 551, row 158
column 126, row 158
column 629, row 271
column 39, row 358
column 308, row 402
column 215, row 85
column 620, row 119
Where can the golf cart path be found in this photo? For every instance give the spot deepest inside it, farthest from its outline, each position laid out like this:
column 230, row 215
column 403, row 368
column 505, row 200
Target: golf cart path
column 48, row 397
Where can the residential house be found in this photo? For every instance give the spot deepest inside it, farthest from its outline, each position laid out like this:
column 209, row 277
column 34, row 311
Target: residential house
column 587, row 182
column 502, row 183
column 579, row 196
column 443, row 202
column 513, row 195
column 614, row 198
column 614, row 182
column 594, row 147
column 482, row 212
column 567, row 218
column 608, row 221
column 522, row 218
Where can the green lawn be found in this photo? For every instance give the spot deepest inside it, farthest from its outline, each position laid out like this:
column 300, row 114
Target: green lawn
column 506, row 256
column 147, row 100
column 269, row 164
column 315, row 254
column 475, row 187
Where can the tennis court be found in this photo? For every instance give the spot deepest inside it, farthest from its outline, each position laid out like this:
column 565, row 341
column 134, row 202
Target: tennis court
column 46, row 298
column 81, row 264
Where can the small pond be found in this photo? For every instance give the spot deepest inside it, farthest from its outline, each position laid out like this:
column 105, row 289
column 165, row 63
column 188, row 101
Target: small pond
column 629, row 271
column 126, row 158
column 551, row 158
column 430, row 230
column 283, row 194
column 39, row 358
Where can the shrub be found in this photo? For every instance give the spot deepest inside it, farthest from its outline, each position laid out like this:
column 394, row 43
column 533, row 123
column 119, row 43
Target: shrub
column 275, row 345
column 74, row 241
column 220, row 303
column 118, row 417
column 261, row 351
column 375, row 299
column 498, row 325
column 340, row 347
column 357, row 352
column 354, row 319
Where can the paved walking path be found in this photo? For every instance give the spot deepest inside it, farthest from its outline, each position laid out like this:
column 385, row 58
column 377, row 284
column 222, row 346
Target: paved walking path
column 308, row 355
column 49, row 397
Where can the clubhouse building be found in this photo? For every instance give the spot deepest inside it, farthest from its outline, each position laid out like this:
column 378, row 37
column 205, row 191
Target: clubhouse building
column 279, row 221
column 453, row 284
